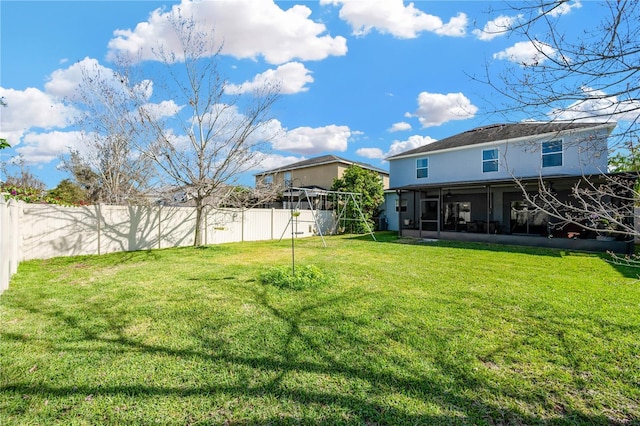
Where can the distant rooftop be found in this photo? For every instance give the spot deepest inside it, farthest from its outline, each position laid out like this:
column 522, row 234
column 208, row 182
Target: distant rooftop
column 324, row 159
column 501, row 132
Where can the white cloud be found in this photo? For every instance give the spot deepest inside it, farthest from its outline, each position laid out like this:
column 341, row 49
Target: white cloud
column 31, row 115
column 274, row 161
column 400, row 127
column 32, row 108
column 435, row 109
column 456, row 27
column 563, row 8
column 527, row 53
column 397, row 147
column 143, row 89
column 46, row 147
column 245, row 28
column 497, row 27
column 415, row 141
column 375, row 153
column 393, row 17
column 313, row 140
column 88, row 75
column 64, row 82
column 597, row 106
column 291, row 78
column 162, row 109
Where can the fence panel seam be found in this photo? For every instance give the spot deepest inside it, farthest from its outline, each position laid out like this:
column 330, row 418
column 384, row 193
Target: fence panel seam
column 33, row 231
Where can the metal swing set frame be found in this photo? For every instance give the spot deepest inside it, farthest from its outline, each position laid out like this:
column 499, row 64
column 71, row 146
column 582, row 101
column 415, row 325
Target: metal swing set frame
column 340, row 201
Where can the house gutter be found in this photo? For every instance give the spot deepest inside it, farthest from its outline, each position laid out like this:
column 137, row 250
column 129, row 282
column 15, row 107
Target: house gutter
column 528, row 139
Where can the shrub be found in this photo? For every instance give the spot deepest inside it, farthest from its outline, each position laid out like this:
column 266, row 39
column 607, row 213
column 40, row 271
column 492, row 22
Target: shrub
column 33, row 195
column 306, row 276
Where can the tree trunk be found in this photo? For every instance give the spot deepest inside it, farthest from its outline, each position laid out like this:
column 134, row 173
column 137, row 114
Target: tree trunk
column 197, row 240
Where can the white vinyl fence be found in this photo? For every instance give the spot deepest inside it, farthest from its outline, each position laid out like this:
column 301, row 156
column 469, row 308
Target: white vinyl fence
column 9, row 241
column 42, row 231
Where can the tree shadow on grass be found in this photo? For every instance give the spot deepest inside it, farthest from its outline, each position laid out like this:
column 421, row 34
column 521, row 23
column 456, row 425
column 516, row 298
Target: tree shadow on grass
column 345, row 351
column 617, row 262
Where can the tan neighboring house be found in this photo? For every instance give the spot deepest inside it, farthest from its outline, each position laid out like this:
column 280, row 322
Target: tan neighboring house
column 318, row 172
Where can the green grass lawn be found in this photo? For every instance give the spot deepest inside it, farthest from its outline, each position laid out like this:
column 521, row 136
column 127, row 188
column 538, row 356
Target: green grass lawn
column 432, row 333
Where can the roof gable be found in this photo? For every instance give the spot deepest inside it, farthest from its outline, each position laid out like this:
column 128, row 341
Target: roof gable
column 500, row 132
column 322, row 160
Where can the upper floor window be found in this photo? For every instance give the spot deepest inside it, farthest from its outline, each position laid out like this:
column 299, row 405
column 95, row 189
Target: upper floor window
column 267, row 180
column 552, row 153
column 489, row 160
column 422, row 168
column 287, row 179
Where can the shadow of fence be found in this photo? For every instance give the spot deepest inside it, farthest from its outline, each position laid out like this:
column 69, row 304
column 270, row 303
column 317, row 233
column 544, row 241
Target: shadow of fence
column 42, row 231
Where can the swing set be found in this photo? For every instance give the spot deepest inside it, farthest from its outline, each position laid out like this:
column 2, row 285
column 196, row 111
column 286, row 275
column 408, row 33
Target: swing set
column 339, row 201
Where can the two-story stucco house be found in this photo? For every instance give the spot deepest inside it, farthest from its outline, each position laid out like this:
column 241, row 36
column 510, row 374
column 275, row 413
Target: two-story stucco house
column 311, row 179
column 464, row 186
column 318, row 172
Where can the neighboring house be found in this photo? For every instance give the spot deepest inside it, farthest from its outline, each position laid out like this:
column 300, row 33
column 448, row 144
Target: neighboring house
column 464, row 186
column 310, row 179
column 318, row 172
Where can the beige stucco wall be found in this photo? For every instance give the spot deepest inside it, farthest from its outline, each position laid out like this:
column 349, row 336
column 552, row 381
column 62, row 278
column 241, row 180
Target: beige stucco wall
column 321, row 175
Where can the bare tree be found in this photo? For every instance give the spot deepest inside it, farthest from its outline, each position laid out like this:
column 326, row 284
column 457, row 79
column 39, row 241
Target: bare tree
column 178, row 114
column 591, row 77
column 23, row 177
column 108, row 166
column 214, row 137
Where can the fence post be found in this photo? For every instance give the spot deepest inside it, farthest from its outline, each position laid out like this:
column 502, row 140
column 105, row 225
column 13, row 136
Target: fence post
column 15, row 206
column 160, row 226
column 98, row 225
column 10, row 240
column 5, row 274
column 272, row 221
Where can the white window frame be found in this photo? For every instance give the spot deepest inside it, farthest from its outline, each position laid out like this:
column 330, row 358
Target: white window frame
column 550, row 154
column 424, row 168
column 490, row 160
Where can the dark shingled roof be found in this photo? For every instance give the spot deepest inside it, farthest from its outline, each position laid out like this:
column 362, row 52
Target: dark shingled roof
column 499, row 132
column 324, row 159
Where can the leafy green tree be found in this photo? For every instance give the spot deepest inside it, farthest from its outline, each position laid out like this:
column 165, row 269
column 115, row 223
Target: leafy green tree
column 90, row 175
column 68, row 192
column 24, row 186
column 368, row 184
column 626, row 160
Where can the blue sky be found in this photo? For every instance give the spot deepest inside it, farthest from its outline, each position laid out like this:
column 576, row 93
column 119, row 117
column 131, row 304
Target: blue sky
column 360, row 79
